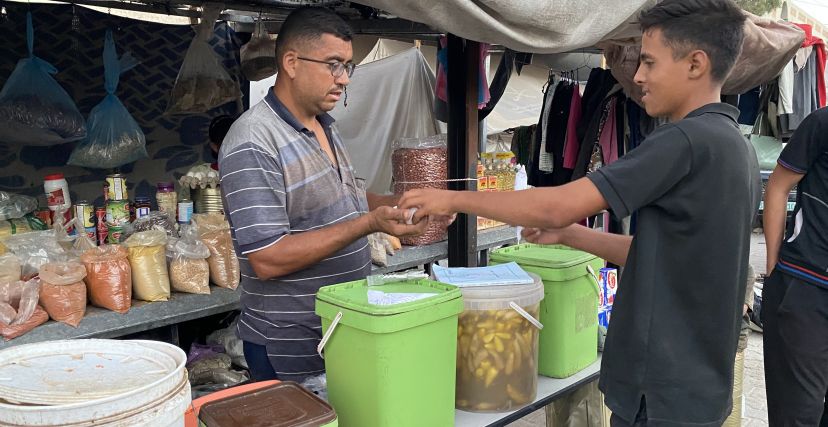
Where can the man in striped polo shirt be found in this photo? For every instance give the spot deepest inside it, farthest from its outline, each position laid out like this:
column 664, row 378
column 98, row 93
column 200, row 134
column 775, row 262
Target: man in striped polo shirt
column 299, row 215
column 795, row 295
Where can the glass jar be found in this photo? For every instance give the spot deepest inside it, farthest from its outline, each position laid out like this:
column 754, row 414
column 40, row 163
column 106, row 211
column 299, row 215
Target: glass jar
column 167, row 198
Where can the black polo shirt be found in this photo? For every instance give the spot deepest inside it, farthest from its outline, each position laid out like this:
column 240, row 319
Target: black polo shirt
column 675, row 325
column 804, row 252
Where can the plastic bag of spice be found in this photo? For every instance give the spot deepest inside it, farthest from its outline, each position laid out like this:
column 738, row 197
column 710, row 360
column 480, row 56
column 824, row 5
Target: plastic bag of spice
column 29, row 314
column 150, row 279
column 35, row 249
column 189, row 270
column 202, row 83
column 258, row 56
column 62, row 291
column 108, row 277
column 214, row 231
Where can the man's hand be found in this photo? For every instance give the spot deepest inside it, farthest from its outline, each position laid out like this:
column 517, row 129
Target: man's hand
column 429, row 202
column 539, row 236
column 393, row 221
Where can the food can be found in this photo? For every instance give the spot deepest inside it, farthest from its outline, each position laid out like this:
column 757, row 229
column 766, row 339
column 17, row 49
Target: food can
column 117, row 187
column 115, row 233
column 117, row 212
column 103, row 233
column 131, row 212
column 86, row 213
column 608, row 279
column 105, row 193
column 185, row 211
column 142, row 207
column 45, row 215
column 92, row 234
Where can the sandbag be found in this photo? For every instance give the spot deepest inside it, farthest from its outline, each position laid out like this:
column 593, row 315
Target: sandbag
column 147, row 257
column 108, row 277
column 769, row 45
column 214, row 232
column 63, row 292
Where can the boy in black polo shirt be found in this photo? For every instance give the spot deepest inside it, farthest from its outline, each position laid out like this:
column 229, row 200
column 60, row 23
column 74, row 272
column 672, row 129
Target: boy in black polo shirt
column 795, row 298
column 670, row 349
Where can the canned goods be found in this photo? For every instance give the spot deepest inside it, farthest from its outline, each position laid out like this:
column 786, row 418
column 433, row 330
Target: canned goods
column 117, row 187
column 117, row 212
column 142, row 207
column 131, row 212
column 45, row 215
column 106, row 193
column 86, row 213
column 115, row 233
column 185, row 211
column 103, row 230
column 92, row 234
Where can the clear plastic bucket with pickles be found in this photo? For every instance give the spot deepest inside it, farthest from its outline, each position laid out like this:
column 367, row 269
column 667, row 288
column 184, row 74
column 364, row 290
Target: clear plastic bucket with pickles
column 497, row 347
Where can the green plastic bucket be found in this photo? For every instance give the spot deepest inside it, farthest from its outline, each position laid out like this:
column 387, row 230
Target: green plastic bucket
column 390, row 365
column 569, row 339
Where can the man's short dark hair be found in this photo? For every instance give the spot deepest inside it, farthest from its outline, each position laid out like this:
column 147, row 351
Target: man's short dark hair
column 713, row 26
column 307, row 25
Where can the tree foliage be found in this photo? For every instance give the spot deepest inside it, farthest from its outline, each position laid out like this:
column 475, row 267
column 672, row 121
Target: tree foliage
column 759, row 7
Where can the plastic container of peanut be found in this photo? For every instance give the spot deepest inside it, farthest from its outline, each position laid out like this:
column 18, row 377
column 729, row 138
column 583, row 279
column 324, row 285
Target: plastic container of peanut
column 497, row 347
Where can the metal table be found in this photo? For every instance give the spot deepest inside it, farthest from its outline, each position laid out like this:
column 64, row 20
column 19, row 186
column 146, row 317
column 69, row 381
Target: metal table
column 143, row 316
column 549, row 389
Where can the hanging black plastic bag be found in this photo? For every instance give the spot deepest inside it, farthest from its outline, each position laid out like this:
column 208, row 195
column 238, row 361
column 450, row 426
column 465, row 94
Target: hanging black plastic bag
column 114, row 138
column 34, row 108
column 202, row 83
column 258, row 56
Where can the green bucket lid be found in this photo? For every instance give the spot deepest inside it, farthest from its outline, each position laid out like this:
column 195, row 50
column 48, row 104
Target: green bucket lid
column 352, row 298
column 546, row 256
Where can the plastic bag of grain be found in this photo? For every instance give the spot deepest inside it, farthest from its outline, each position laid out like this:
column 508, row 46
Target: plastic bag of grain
column 214, row 232
column 108, row 277
column 189, row 270
column 150, row 280
column 63, row 292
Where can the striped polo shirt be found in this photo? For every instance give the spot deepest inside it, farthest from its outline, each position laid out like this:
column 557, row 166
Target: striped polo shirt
column 276, row 180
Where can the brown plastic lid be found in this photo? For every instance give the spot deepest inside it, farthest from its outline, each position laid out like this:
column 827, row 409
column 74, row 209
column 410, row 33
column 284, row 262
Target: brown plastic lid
column 286, row 404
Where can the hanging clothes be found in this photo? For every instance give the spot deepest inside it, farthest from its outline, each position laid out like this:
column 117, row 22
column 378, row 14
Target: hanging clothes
column 535, row 171
column 573, row 144
column 819, row 61
column 749, row 105
column 634, row 113
column 522, row 144
column 556, row 134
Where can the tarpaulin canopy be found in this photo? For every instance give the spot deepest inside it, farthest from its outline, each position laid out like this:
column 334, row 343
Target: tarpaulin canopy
column 536, row 26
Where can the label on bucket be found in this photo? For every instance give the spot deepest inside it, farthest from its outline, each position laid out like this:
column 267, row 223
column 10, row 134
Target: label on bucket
column 385, row 298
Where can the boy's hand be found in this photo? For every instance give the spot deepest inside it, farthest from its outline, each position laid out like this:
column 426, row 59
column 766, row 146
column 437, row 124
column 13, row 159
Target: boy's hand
column 428, row 202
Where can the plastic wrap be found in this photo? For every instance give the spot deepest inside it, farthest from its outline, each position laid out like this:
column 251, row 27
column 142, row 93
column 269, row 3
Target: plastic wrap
column 13, row 206
column 113, row 137
column 154, row 221
column 189, row 270
column 7, row 313
column 150, row 279
column 35, row 249
column 10, row 270
column 34, row 108
column 421, row 163
column 258, row 56
column 202, row 83
column 214, row 231
column 63, row 292
column 29, row 296
column 108, row 277
column 233, row 345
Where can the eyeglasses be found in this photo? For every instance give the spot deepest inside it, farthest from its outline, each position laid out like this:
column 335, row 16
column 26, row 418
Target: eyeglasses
column 337, row 68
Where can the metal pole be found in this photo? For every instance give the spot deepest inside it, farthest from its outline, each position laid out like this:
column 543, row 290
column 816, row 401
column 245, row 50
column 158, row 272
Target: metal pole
column 463, row 142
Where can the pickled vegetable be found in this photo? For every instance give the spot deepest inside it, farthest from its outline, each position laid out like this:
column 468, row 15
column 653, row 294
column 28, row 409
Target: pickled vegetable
column 497, row 354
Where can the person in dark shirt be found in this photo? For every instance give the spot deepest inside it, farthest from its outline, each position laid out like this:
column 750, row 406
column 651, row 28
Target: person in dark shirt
column 795, row 294
column 671, row 346
column 216, row 133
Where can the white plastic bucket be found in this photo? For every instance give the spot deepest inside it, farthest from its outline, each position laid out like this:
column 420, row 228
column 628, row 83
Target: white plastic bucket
column 155, row 400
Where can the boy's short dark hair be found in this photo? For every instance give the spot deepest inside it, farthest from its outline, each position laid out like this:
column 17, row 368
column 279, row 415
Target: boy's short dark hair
column 308, row 24
column 714, row 26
